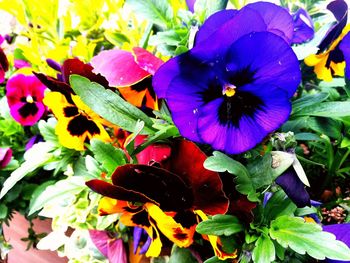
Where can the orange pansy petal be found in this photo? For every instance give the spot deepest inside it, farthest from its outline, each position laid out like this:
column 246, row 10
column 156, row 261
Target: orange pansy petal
column 109, row 206
column 182, row 237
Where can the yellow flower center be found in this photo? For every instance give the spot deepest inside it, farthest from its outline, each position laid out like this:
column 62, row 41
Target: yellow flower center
column 29, row 99
column 229, row 90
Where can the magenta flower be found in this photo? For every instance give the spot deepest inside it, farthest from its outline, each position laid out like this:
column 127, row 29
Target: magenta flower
column 5, row 157
column 109, row 246
column 24, row 96
column 4, row 64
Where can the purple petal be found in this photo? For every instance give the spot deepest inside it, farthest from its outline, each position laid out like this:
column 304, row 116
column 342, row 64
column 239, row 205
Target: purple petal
column 345, row 48
column 53, row 64
column 5, row 157
column 137, row 237
column 116, row 251
column 340, row 10
column 213, row 23
column 303, row 27
column 294, row 188
column 209, row 50
column 1, row 39
column 190, row 5
column 342, row 233
column 246, row 21
column 33, row 140
column 272, row 60
column 277, row 19
column 100, row 240
column 145, row 246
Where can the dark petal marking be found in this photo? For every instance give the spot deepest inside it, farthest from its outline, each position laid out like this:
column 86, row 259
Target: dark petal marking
column 179, row 235
column 233, row 108
column 81, row 124
column 142, row 85
column 335, row 56
column 28, row 109
column 141, row 219
column 70, row 111
column 241, row 77
column 186, row 218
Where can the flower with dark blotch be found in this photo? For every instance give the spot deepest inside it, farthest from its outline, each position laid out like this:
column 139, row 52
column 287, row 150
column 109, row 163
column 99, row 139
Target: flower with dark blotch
column 164, row 197
column 130, row 72
column 5, row 157
column 77, row 123
column 330, row 61
column 234, row 87
column 303, row 27
column 25, row 98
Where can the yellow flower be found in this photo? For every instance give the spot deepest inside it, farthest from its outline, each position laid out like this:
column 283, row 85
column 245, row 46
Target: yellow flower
column 324, row 67
column 77, row 123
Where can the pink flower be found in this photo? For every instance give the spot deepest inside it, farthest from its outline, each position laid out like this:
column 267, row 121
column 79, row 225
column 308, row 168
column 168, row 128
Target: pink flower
column 24, row 96
column 5, row 157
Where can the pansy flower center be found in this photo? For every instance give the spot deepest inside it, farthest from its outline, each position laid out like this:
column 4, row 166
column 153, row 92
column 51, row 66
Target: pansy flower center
column 229, row 90
column 28, row 99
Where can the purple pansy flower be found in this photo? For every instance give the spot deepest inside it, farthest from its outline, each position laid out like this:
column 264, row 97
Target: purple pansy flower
column 24, row 96
column 303, row 27
column 342, row 233
column 5, row 157
column 345, row 48
column 190, row 5
column 234, row 87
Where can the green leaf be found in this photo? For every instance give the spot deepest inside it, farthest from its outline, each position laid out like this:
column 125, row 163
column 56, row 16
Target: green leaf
column 309, row 238
column 47, row 130
column 308, row 100
column 38, row 192
column 3, row 211
column 332, row 128
column 306, row 136
column 220, row 162
column 109, row 156
column 182, row 255
column 110, row 105
column 263, row 170
column 264, row 251
column 35, row 157
column 220, row 225
column 330, row 109
column 62, row 190
column 158, row 12
column 278, row 205
column 205, row 8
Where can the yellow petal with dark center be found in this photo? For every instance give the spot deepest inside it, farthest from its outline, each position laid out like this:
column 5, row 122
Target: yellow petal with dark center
column 182, row 237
